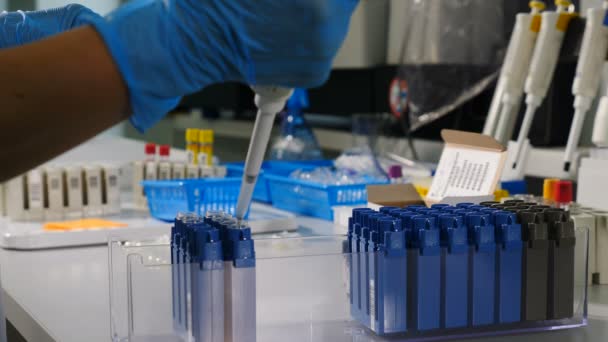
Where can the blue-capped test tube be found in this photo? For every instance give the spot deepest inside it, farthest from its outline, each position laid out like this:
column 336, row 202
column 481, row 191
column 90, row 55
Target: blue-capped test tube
column 184, row 244
column 440, row 206
column 387, row 210
column 240, row 285
column 424, row 277
column 176, row 230
column 193, row 226
column 454, row 272
column 415, row 207
column 354, row 229
column 396, row 212
column 424, row 211
column 489, row 211
column 208, row 287
column 388, row 301
column 509, row 272
column 367, row 262
column 482, row 249
column 434, row 213
column 359, row 261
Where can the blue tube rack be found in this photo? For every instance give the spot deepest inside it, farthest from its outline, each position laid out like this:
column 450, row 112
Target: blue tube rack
column 419, row 270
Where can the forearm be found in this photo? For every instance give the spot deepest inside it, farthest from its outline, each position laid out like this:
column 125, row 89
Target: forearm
column 54, row 95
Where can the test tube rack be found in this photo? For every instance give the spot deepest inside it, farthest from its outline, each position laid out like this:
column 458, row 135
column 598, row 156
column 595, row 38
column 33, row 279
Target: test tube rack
column 169, row 170
column 305, row 289
column 63, row 192
column 418, row 270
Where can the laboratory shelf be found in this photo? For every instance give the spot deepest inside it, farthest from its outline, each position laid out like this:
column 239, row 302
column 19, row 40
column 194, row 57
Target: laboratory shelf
column 302, row 287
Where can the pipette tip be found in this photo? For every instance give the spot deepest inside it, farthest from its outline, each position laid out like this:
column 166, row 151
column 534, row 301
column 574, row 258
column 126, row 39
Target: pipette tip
column 567, row 166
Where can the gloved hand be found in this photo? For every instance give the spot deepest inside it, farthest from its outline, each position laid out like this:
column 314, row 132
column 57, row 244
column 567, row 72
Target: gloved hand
column 165, row 49
column 18, row 28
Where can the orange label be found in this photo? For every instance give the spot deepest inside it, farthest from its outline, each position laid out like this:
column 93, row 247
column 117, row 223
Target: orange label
column 82, row 225
column 535, row 24
column 564, row 20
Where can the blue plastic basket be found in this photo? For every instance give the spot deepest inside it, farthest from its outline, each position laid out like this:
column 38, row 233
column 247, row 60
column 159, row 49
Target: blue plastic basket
column 314, row 199
column 167, row 198
column 261, row 193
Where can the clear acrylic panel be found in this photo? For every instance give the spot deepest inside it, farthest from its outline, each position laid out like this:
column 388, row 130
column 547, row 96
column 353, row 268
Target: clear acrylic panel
column 302, row 293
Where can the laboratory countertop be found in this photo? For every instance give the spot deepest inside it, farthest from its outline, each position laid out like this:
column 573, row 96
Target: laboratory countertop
column 62, row 295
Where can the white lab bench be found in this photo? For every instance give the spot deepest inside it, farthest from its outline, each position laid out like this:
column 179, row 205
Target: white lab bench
column 62, row 295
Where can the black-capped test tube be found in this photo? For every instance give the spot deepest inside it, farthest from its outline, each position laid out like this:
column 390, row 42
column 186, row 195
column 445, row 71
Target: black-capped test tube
column 562, row 241
column 535, row 261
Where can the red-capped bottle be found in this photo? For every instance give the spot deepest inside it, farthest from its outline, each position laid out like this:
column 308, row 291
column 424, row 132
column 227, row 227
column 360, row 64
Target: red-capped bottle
column 150, row 151
column 563, row 193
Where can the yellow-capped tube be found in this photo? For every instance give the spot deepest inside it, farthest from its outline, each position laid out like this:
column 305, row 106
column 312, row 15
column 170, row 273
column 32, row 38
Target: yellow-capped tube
column 192, row 148
column 205, row 146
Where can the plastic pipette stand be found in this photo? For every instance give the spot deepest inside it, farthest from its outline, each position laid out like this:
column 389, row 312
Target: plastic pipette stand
column 269, row 100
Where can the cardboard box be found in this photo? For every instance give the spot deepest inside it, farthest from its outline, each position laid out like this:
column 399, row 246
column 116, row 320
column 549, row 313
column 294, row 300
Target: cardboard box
column 393, row 195
column 470, row 166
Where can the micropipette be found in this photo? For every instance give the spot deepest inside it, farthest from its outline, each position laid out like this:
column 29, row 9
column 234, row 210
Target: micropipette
column 544, row 61
column 513, row 74
column 516, row 67
column 269, row 100
column 588, row 74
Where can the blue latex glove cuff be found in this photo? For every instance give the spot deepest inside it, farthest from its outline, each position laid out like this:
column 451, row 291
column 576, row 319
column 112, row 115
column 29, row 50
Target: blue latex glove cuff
column 18, row 28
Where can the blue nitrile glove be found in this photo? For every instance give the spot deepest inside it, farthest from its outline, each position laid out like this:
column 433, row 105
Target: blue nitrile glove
column 18, row 28
column 165, row 49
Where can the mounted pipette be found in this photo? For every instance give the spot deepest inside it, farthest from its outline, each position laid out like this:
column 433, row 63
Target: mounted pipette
column 509, row 91
column 544, row 61
column 588, row 74
column 270, row 101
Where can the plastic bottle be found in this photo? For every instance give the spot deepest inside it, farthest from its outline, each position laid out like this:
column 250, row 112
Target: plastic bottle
column 150, row 151
column 205, row 147
column 164, row 166
column 297, row 141
column 192, row 145
column 563, row 194
column 150, row 169
column 395, row 172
